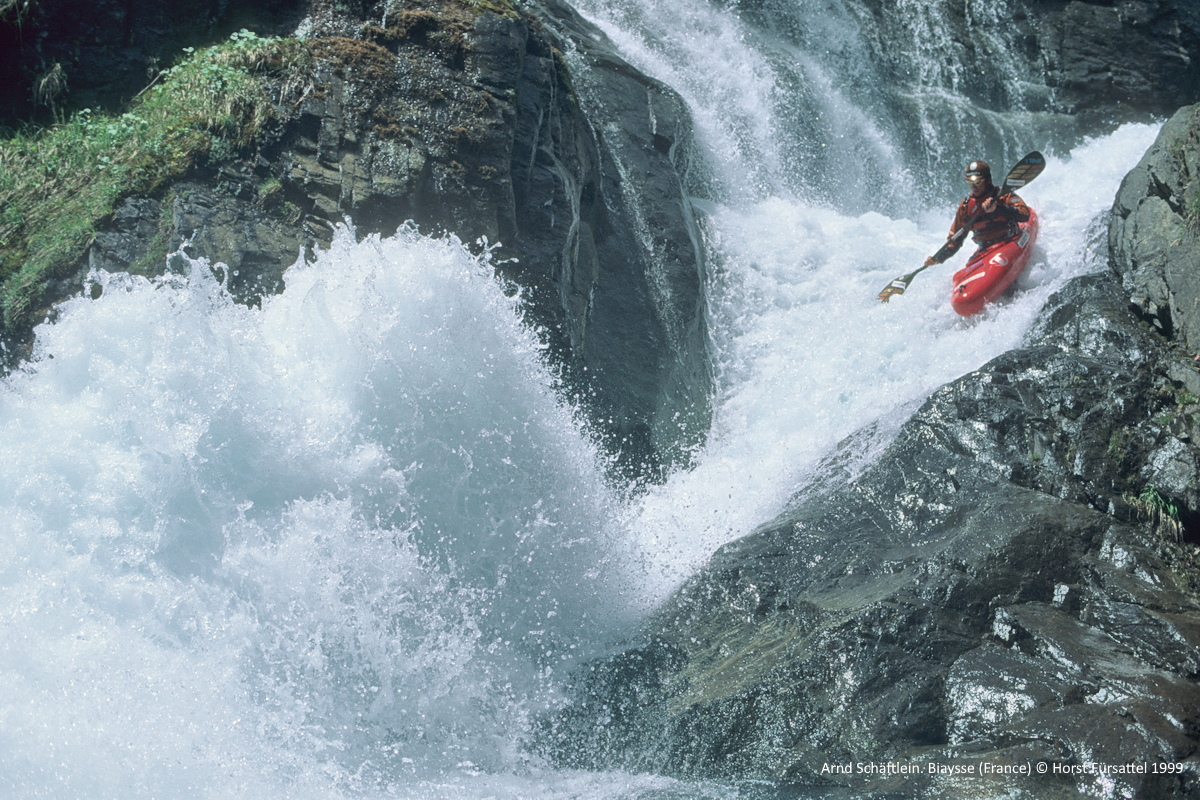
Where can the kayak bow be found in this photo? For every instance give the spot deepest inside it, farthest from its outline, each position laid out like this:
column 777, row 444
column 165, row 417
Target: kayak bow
column 992, row 270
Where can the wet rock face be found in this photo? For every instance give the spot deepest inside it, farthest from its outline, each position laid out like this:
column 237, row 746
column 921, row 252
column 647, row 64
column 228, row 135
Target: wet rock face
column 1117, row 57
column 1153, row 237
column 987, row 593
column 479, row 125
column 476, row 124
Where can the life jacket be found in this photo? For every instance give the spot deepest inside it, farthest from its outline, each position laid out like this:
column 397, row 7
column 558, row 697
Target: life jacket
column 998, row 226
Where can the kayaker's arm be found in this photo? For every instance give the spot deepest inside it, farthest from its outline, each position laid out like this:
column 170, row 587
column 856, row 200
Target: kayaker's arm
column 1013, row 208
column 958, row 232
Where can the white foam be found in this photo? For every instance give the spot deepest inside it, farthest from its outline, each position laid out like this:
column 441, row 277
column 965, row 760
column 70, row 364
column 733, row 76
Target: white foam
column 339, row 544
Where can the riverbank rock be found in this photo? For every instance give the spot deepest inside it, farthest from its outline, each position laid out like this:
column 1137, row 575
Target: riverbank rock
column 1153, row 237
column 1013, row 586
column 1108, row 60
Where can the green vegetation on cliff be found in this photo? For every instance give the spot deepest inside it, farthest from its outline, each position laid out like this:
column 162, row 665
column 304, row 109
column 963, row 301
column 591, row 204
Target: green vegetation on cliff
column 59, row 184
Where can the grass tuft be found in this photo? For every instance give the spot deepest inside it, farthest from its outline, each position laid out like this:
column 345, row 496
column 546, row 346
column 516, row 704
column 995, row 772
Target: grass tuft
column 58, row 184
column 503, row 8
column 1163, row 513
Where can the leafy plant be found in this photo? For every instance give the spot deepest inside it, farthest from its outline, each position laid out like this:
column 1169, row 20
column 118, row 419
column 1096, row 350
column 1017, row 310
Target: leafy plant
column 18, row 9
column 1191, row 205
column 1185, row 398
column 50, row 87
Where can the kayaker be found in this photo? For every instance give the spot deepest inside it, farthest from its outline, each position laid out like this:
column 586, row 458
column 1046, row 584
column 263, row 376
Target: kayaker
column 992, row 217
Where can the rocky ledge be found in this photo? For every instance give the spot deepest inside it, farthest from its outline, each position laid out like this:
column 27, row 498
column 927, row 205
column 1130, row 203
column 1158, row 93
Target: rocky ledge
column 1012, row 587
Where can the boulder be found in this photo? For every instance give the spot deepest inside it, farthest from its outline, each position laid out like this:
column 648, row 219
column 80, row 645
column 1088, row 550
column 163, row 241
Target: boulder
column 1108, row 60
column 1155, row 234
column 477, row 124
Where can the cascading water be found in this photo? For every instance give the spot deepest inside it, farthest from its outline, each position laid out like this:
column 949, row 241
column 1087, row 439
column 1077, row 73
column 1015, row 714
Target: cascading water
column 806, row 354
column 349, row 544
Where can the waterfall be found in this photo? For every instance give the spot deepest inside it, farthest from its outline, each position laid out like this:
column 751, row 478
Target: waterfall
column 351, row 543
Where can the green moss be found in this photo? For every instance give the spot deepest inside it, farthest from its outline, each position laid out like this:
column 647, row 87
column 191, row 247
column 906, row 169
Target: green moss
column 1118, row 445
column 58, row 185
column 370, row 63
column 269, row 192
column 1191, row 213
column 272, row 200
column 436, row 22
column 151, row 262
column 564, row 75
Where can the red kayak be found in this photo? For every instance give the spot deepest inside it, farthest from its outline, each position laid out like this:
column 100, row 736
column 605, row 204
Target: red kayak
column 990, row 272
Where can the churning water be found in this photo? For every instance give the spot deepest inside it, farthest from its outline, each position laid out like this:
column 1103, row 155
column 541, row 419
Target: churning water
column 348, row 544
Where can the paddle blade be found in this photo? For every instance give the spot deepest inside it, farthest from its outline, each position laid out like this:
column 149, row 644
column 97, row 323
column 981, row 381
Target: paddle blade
column 895, row 287
column 1026, row 170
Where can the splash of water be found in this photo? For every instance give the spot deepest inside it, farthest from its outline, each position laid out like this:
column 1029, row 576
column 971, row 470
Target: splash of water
column 342, row 540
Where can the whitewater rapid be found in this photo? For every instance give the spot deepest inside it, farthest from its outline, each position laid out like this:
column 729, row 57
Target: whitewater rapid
column 808, row 356
column 333, row 543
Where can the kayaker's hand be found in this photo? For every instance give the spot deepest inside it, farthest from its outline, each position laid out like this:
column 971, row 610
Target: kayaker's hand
column 989, row 205
column 929, row 262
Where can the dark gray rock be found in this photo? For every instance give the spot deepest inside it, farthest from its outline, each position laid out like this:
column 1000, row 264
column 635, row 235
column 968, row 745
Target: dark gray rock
column 479, row 125
column 630, row 278
column 1153, row 238
column 136, row 221
column 501, row 140
column 1107, row 59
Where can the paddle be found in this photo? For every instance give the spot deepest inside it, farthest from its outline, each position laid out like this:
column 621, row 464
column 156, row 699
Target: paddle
column 1026, row 170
